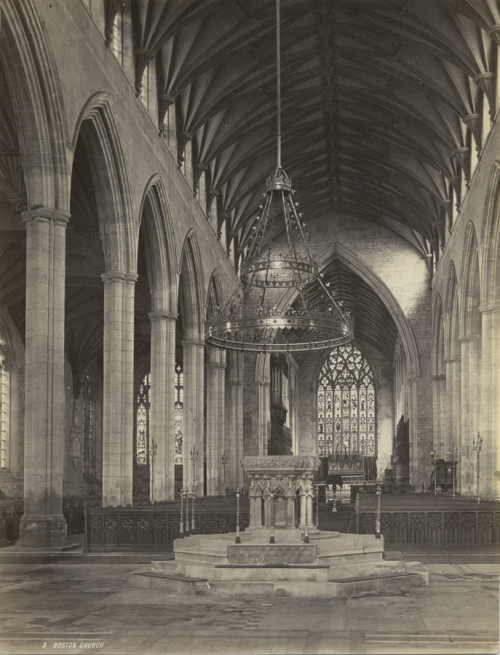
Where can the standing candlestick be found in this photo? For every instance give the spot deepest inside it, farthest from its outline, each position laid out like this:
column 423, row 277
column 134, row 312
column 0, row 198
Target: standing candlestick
column 237, row 539
column 271, row 538
column 186, row 515
column 193, row 528
column 477, row 445
column 453, row 453
column 317, row 507
column 306, row 532
column 377, row 516
column 181, row 527
column 434, row 460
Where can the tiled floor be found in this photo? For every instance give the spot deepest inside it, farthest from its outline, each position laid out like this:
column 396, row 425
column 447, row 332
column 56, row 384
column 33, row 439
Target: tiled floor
column 79, row 608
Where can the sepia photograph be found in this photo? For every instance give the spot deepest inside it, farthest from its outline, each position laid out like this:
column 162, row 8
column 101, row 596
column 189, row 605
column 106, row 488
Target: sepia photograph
column 249, row 327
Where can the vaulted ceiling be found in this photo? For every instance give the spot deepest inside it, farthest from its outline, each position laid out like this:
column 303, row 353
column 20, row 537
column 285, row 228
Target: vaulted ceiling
column 383, row 100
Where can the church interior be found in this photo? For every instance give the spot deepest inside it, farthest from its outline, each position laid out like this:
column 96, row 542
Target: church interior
column 138, row 169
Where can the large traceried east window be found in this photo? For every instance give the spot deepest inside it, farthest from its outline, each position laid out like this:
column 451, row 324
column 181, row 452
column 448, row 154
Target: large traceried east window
column 346, row 405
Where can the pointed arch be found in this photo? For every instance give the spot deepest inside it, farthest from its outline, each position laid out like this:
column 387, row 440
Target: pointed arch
column 470, row 318
column 214, row 293
column 452, row 313
column 438, row 338
column 490, row 266
column 156, row 218
column 345, row 256
column 192, row 287
column 96, row 126
column 37, row 95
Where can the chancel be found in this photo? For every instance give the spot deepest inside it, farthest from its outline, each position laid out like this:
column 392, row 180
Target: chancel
column 250, row 264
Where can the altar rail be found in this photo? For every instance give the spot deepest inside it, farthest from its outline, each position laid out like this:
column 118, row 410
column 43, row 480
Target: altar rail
column 149, row 529
column 12, row 510
column 434, row 527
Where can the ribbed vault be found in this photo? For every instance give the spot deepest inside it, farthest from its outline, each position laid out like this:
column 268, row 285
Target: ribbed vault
column 382, row 100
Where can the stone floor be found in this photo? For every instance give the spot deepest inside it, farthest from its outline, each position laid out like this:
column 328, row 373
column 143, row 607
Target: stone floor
column 77, row 608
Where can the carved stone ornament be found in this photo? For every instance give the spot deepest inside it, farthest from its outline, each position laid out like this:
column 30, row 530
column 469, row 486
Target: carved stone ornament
column 266, row 555
column 281, row 463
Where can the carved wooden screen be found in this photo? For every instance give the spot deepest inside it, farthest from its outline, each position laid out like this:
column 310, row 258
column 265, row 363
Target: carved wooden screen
column 346, row 405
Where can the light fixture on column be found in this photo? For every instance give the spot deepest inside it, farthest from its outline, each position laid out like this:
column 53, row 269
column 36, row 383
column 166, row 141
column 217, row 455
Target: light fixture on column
column 251, row 319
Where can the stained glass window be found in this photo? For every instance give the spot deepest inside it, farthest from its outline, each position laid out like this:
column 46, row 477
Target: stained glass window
column 179, row 413
column 143, row 406
column 346, row 404
column 142, row 430
column 88, row 424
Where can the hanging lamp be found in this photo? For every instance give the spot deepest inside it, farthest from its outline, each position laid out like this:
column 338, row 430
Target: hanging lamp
column 255, row 318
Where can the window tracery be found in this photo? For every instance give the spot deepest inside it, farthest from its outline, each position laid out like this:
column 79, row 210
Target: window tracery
column 179, row 414
column 346, row 404
column 143, row 404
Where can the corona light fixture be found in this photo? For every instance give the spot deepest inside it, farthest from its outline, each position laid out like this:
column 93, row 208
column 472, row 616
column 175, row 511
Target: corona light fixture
column 255, row 318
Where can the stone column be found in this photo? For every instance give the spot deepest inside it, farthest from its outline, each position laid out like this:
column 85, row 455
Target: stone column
column 264, row 402
column 162, row 401
column 43, row 524
column 449, row 406
column 215, row 418
column 239, row 422
column 234, row 434
column 193, row 354
column 490, row 401
column 118, row 389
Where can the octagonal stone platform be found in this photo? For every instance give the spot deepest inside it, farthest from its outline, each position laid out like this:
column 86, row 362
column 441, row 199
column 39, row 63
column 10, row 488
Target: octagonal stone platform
column 330, row 565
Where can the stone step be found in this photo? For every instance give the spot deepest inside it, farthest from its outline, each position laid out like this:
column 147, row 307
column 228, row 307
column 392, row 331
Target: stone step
column 377, row 584
column 171, row 583
column 368, row 569
column 281, row 572
column 196, row 554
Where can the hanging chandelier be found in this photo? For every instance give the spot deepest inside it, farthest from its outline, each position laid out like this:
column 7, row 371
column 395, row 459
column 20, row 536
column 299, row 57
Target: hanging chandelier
column 255, row 318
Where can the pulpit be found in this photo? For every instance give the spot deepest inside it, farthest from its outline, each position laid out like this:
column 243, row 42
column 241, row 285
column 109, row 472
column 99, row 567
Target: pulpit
column 276, row 483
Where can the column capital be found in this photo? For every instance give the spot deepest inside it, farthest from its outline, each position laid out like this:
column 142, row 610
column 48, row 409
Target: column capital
column 113, row 276
column 193, row 342
column 160, row 313
column 131, row 277
column 452, row 360
column 215, row 365
column 469, row 337
column 492, row 307
column 441, row 376
column 39, row 213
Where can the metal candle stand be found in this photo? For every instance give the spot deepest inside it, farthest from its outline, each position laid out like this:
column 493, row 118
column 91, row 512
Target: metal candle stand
column 306, row 531
column 434, row 459
column 377, row 516
column 453, row 452
column 271, row 538
column 477, row 444
column 193, row 527
column 181, row 528
column 186, row 495
column 237, row 538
